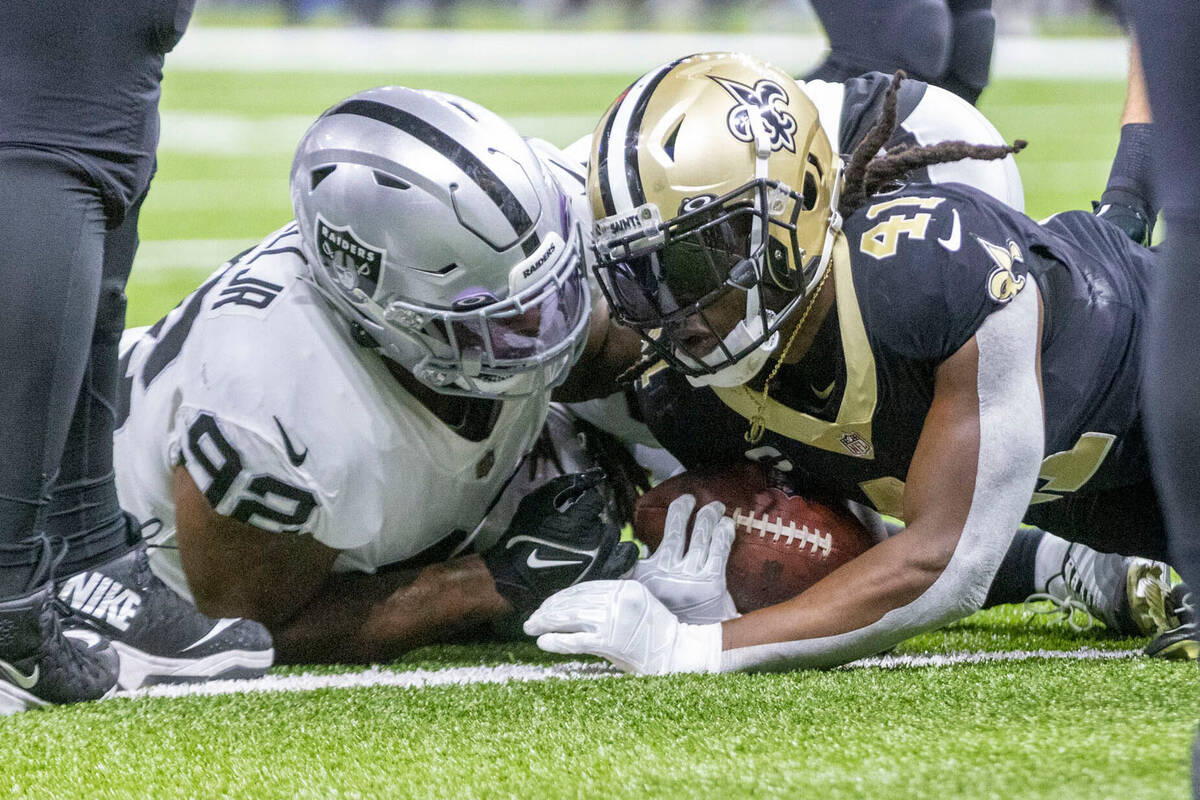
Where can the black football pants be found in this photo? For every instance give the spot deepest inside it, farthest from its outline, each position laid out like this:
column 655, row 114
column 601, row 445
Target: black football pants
column 61, row 316
column 1168, row 33
column 944, row 42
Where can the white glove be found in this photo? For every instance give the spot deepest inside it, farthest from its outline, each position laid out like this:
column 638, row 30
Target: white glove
column 623, row 622
column 691, row 585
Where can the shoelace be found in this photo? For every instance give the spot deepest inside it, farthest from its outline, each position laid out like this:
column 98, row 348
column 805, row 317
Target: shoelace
column 150, row 545
column 1182, row 609
column 1068, row 607
column 1078, row 600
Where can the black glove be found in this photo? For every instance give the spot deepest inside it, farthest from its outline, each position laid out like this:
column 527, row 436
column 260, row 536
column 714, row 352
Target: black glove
column 558, row 538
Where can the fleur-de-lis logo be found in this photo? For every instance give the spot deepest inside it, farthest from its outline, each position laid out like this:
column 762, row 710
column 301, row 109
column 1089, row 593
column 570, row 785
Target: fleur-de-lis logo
column 769, row 98
column 1003, row 283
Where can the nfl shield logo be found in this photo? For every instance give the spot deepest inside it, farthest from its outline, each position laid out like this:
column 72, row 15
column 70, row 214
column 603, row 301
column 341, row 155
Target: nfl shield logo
column 856, row 445
column 353, row 263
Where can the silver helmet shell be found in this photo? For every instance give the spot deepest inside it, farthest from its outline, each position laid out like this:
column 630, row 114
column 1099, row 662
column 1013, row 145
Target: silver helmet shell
column 430, row 223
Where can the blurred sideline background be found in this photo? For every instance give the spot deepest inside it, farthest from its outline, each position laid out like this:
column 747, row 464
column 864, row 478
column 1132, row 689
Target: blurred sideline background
column 250, row 75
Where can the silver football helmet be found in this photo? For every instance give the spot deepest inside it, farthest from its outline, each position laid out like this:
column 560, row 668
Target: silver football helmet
column 429, row 223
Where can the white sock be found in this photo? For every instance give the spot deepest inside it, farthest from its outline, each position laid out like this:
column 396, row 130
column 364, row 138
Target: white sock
column 1048, row 563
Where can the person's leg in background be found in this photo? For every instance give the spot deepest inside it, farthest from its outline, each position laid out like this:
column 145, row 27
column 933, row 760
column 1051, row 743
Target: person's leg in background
column 84, row 509
column 53, row 224
column 947, row 44
column 1167, row 33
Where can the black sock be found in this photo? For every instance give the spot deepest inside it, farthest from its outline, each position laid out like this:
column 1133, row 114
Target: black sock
column 86, row 549
column 1014, row 580
column 1128, row 200
column 24, row 566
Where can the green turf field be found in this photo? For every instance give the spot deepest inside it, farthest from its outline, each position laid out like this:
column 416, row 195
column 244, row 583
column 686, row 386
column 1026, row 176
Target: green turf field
column 1040, row 728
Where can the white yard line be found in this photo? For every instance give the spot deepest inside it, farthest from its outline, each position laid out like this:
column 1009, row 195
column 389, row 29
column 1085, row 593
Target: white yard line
column 575, row 670
column 376, row 51
column 985, row 657
column 379, row 676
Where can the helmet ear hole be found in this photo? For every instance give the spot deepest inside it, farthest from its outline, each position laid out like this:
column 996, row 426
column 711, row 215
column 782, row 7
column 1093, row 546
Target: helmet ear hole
column 319, row 174
column 810, row 191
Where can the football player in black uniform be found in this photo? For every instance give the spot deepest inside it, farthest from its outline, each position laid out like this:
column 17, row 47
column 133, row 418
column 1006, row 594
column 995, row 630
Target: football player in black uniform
column 1167, row 33
column 918, row 348
column 944, row 42
column 78, row 130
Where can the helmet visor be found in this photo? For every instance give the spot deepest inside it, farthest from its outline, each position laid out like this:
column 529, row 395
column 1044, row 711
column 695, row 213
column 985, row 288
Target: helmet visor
column 511, row 347
column 511, row 333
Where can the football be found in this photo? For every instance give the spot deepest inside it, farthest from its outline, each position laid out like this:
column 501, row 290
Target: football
column 783, row 542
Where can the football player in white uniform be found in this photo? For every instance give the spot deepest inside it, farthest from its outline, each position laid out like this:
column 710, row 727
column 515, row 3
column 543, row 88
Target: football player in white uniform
column 323, row 426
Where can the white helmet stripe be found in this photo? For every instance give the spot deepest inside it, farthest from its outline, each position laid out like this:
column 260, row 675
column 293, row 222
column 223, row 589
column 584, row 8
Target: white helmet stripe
column 618, row 146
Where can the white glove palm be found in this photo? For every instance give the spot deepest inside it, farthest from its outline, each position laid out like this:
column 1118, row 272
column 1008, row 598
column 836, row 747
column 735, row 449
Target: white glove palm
column 623, row 622
column 691, row 584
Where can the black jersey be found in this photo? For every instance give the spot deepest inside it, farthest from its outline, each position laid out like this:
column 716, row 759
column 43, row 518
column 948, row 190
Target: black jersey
column 81, row 78
column 916, row 273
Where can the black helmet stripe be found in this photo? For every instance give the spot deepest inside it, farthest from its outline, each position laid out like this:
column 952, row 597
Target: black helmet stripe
column 602, row 165
column 479, row 173
column 620, row 178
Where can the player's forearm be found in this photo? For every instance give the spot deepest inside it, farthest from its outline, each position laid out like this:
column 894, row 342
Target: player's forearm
column 890, row 575
column 358, row 618
column 1009, row 449
column 1137, row 101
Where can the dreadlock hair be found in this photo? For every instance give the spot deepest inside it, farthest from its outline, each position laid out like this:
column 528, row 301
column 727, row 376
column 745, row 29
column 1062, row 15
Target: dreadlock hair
column 865, row 174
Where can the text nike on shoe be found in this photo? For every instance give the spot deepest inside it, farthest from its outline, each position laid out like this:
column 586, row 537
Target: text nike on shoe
column 160, row 636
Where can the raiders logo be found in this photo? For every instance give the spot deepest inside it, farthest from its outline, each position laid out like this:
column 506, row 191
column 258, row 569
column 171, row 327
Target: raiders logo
column 771, row 101
column 352, row 263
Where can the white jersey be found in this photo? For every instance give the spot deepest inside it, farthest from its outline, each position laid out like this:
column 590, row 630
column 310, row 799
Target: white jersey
column 937, row 116
column 254, row 385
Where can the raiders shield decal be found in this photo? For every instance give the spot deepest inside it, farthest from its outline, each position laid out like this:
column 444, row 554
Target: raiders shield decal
column 352, row 262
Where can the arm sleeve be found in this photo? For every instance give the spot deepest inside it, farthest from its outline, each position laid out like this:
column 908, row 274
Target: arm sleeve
column 1010, row 452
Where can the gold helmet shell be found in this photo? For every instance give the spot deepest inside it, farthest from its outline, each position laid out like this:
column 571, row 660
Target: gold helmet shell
column 686, row 130
column 712, row 173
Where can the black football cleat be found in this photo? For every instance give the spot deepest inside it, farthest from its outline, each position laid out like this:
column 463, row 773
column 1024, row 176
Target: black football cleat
column 1179, row 640
column 40, row 663
column 160, row 636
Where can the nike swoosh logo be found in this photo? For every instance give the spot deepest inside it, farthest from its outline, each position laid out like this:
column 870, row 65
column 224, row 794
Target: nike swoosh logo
column 954, row 241
column 220, row 627
column 823, row 395
column 537, row 562
column 90, row 639
column 295, row 457
column 552, row 545
column 24, row 681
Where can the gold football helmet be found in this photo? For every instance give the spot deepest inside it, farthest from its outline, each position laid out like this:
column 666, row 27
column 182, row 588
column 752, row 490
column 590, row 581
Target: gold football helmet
column 709, row 173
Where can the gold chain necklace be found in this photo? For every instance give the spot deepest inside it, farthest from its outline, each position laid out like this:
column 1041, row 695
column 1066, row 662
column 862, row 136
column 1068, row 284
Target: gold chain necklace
column 758, row 423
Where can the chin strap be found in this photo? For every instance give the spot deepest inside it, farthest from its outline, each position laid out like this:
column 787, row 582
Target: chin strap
column 758, row 424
